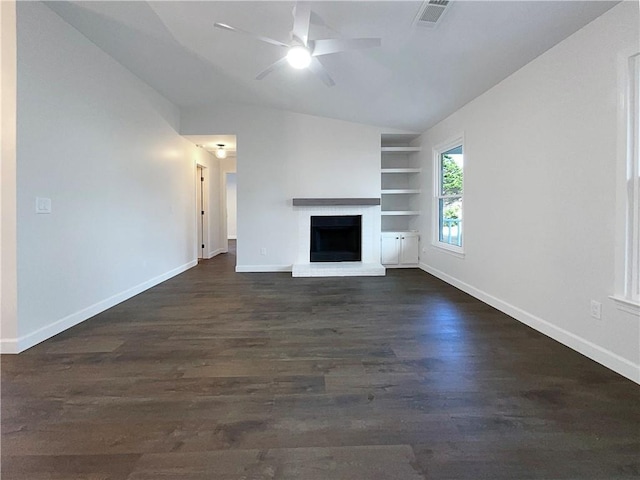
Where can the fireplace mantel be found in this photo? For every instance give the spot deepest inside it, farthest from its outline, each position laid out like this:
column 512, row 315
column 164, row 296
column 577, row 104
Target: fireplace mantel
column 332, row 202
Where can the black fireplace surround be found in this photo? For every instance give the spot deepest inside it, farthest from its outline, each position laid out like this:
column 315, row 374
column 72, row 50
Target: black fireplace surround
column 336, row 238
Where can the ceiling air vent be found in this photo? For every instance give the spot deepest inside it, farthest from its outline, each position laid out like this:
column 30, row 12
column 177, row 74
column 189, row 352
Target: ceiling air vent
column 431, row 12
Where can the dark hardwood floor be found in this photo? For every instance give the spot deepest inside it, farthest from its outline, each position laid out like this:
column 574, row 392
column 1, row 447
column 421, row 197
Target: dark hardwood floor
column 216, row 375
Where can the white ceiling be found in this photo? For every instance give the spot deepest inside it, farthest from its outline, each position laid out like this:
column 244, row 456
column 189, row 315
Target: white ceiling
column 418, row 77
column 210, row 142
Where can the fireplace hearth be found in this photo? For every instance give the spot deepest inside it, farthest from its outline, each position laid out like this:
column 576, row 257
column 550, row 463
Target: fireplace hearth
column 336, row 238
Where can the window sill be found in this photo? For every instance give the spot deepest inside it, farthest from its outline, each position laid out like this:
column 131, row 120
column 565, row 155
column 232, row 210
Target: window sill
column 449, row 250
column 626, row 305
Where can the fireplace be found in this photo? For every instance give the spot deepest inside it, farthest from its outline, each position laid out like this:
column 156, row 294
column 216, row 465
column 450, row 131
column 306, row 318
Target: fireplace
column 368, row 263
column 336, row 238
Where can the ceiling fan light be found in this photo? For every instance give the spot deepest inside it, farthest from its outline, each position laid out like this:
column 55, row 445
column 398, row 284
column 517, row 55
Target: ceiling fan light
column 299, row 57
column 221, row 152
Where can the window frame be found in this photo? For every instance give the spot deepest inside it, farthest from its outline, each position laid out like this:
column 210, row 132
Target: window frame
column 438, row 150
column 628, row 299
column 632, row 267
column 633, row 201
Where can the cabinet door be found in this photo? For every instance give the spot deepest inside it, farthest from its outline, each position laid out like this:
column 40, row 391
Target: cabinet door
column 390, row 248
column 410, row 249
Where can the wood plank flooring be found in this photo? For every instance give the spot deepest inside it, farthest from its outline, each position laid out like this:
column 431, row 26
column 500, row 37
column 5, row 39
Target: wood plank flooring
column 225, row 376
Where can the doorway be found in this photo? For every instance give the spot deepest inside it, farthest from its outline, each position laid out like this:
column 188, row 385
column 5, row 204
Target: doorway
column 201, row 221
column 232, row 209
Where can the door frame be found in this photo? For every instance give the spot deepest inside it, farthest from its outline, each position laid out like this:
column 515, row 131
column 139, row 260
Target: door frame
column 204, row 185
column 223, row 204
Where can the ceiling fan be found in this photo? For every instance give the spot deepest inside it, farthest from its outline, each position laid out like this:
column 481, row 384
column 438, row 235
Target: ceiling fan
column 303, row 52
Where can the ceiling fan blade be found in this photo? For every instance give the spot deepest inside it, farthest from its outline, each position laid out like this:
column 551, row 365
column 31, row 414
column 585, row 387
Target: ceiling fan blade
column 316, row 67
column 336, row 45
column 274, row 66
column 268, row 40
column 317, row 19
column 301, row 21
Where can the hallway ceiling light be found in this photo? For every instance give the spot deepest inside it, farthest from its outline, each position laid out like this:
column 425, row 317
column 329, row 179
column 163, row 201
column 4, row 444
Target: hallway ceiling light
column 220, row 151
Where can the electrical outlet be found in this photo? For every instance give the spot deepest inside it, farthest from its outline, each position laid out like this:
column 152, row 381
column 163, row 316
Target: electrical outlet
column 263, row 251
column 43, row 205
column 596, row 309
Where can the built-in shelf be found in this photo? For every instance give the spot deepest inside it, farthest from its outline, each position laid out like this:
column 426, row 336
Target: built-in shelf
column 400, row 149
column 324, row 202
column 401, row 212
column 400, row 191
column 401, row 170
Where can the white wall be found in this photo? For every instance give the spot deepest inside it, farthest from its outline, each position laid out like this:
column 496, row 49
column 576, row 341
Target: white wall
column 282, row 155
column 232, row 213
column 540, row 192
column 104, row 147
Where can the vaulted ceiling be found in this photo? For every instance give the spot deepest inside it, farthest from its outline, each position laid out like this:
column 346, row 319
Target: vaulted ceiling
column 416, row 78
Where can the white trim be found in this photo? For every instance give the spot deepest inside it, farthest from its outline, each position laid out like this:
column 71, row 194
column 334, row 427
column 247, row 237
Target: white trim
column 632, row 287
column 399, row 149
column 263, row 268
column 17, row 345
column 338, row 269
column 627, row 213
column 401, row 170
column 223, row 203
column 216, row 252
column 449, row 249
column 601, row 355
column 204, row 185
column 232, row 237
column 626, row 305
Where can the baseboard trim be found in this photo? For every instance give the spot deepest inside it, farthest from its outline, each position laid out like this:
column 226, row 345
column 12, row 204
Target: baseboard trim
column 17, row 345
column 596, row 353
column 9, row 345
column 262, row 268
column 216, row 252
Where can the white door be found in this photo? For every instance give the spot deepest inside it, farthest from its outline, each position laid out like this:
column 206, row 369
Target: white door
column 390, row 248
column 200, row 210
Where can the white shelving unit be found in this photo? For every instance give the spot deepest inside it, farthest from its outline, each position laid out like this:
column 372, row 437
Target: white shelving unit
column 401, row 170
column 400, row 181
column 401, row 213
column 400, row 191
column 400, row 207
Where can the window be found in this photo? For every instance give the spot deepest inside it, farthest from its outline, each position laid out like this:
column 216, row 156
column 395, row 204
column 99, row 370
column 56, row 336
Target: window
column 449, row 196
column 633, row 289
column 628, row 291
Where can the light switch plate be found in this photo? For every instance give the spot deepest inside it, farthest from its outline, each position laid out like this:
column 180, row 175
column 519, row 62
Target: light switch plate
column 43, row 205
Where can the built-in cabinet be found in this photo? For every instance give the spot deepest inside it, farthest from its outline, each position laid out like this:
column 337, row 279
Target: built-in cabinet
column 400, row 249
column 400, row 205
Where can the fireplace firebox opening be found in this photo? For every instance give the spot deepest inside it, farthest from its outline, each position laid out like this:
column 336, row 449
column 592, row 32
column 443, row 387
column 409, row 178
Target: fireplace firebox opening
column 336, row 238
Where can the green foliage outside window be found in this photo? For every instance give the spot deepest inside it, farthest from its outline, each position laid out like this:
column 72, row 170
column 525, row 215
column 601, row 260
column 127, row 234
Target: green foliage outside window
column 451, row 185
column 451, row 176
